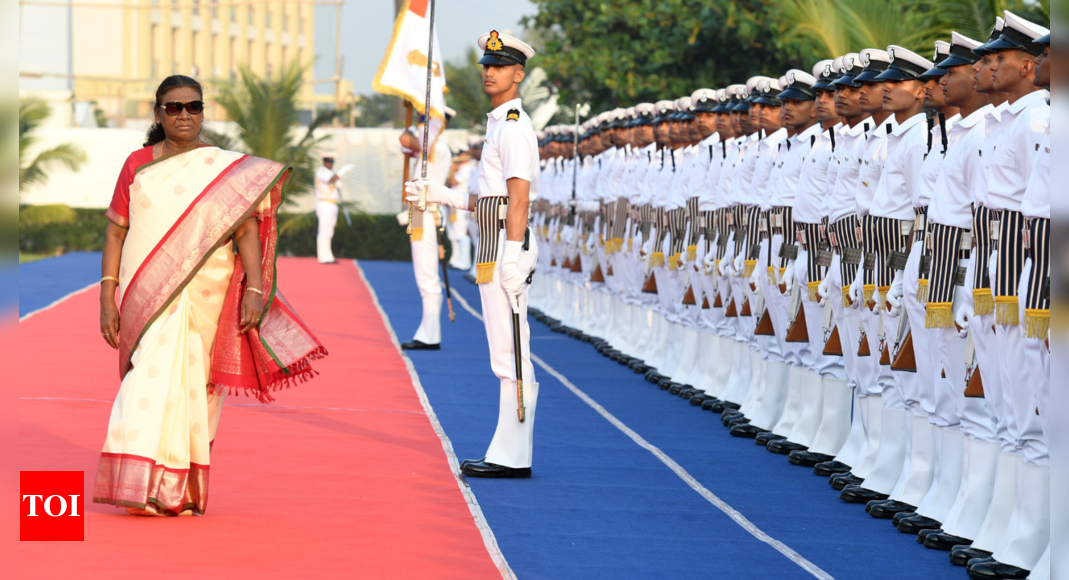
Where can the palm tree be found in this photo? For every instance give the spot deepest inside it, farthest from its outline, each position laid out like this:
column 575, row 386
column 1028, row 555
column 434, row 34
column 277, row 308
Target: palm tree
column 266, row 115
column 32, row 113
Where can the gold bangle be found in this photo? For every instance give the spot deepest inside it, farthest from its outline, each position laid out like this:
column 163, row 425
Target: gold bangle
column 112, row 278
column 251, row 289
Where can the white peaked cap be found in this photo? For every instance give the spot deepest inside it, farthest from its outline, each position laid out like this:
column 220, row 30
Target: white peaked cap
column 962, row 40
column 783, row 82
column 630, row 112
column 800, row 76
column 619, row 114
column 752, row 84
column 837, row 64
column 896, row 53
column 540, row 135
column 874, row 54
column 1029, row 29
column 820, row 67
column 604, row 117
column 665, row 106
column 449, row 111
column 645, row 108
column 722, row 95
column 697, row 95
column 941, row 47
column 849, row 61
column 509, row 41
column 735, row 91
column 683, row 104
column 1000, row 23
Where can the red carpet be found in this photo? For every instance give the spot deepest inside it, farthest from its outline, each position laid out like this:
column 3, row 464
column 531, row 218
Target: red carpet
column 341, row 477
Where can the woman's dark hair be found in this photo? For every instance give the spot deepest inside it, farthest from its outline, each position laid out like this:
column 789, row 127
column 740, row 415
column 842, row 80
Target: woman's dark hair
column 155, row 132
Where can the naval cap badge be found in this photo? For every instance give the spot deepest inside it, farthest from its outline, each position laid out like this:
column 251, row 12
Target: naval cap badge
column 494, row 42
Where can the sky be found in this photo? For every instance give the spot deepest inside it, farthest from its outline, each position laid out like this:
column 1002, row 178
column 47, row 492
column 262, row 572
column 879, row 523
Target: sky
column 368, row 24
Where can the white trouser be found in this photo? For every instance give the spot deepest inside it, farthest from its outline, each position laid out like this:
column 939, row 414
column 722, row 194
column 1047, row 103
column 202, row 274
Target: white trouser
column 327, row 214
column 513, row 442
column 425, row 265
column 813, row 357
column 920, row 394
column 458, row 235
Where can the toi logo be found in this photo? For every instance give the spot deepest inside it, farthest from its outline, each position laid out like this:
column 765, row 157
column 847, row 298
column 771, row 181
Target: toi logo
column 53, row 506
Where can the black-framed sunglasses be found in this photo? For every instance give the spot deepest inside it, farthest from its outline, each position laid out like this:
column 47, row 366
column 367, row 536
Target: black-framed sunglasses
column 174, row 108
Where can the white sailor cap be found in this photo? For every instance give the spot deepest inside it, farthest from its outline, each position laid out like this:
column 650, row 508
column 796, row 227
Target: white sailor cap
column 736, row 92
column 904, row 65
column 800, row 85
column 503, row 49
column 875, row 62
column 752, row 84
column 449, row 112
column 942, row 51
column 683, row 104
column 769, row 92
column 604, row 118
column 629, row 113
column 664, row 107
column 961, row 52
column 704, row 100
column 644, row 114
column 996, row 32
column 825, row 73
column 1019, row 34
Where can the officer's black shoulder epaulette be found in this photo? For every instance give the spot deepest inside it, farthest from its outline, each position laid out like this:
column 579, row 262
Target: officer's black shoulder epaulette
column 513, row 115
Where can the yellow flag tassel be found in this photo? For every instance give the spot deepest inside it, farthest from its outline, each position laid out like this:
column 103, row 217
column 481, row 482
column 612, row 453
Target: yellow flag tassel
column 673, row 263
column 657, row 259
column 1007, row 311
column 939, row 315
column 983, row 302
column 747, row 269
column 869, row 290
column 692, row 253
column 1036, row 323
column 922, row 292
column 417, row 235
column 485, row 272
column 771, row 275
column 814, row 296
column 847, row 302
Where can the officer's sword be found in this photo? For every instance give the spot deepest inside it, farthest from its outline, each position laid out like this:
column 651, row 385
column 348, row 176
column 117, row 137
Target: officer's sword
column 521, row 410
column 422, row 203
column 445, row 273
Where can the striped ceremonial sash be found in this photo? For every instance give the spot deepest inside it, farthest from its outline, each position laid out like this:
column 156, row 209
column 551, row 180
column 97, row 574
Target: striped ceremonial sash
column 677, row 224
column 1037, row 306
column 983, row 301
column 608, row 219
column 740, row 218
column 722, row 227
column 845, row 233
column 1011, row 258
column 619, row 223
column 785, row 228
column 488, row 215
column 695, row 228
column 920, row 234
column 945, row 243
column 883, row 236
column 708, row 228
column 753, row 221
column 812, row 244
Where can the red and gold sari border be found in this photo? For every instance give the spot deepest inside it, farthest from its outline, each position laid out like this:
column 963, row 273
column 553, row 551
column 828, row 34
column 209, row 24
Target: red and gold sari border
column 117, row 219
column 135, row 481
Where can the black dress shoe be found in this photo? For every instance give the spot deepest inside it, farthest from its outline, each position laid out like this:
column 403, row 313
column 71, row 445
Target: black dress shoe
column 653, row 376
column 943, row 541
column 484, row 469
column 915, row 523
column 737, row 420
column 830, row 468
column 708, row 405
column 961, row 555
column 417, row 345
column 765, row 438
column 467, row 461
column 690, row 393
column 698, row 398
column 641, row 368
column 723, row 405
column 556, row 327
column 634, row 363
column 984, row 568
column 839, row 481
column 611, row 353
column 666, row 383
column 858, row 494
column 676, row 388
column 921, row 535
column 746, row 431
column 808, row 458
column 886, row 510
column 784, row 447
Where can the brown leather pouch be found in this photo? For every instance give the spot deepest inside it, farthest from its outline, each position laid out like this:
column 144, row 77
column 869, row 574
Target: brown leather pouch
column 798, row 332
column 906, row 359
column 650, row 286
column 975, row 386
column 834, row 346
column 688, row 296
column 764, row 326
column 731, row 312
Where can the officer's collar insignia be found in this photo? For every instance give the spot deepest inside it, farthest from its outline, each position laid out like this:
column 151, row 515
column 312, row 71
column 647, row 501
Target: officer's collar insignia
column 513, row 114
column 494, row 43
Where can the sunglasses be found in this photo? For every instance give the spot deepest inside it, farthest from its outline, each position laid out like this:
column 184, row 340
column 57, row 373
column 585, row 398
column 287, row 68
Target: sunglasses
column 174, row 108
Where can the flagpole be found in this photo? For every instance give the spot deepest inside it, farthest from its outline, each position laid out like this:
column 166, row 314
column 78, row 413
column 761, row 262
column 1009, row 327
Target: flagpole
column 427, row 108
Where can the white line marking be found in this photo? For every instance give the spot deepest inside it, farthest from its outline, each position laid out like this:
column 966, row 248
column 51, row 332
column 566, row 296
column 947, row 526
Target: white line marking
column 56, row 303
column 489, row 540
column 675, row 467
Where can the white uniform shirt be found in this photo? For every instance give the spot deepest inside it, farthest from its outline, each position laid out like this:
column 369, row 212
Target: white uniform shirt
column 951, row 204
column 638, row 167
column 993, row 126
column 1036, row 201
column 726, row 183
column 873, row 158
column 900, row 178
column 325, row 190
column 1010, row 166
column 768, row 150
column 704, row 158
column 925, row 191
column 510, row 151
column 664, row 178
column 677, row 189
column 708, row 194
column 653, row 175
column 744, row 171
column 842, row 197
column 814, row 179
column 796, row 160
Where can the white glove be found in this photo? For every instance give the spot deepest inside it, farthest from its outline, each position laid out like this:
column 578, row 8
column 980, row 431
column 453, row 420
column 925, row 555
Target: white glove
column 591, row 243
column 788, row 277
column 856, row 291
column 647, row 247
column 726, row 268
column 436, row 193
column 823, row 289
column 710, row 261
column 894, row 296
column 402, row 218
column 513, row 278
column 740, row 264
column 755, row 278
column 962, row 317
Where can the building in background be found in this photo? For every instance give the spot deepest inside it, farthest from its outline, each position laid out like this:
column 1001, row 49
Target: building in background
column 99, row 61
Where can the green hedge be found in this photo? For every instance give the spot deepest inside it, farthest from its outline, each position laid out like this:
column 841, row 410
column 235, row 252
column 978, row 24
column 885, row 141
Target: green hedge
column 371, row 237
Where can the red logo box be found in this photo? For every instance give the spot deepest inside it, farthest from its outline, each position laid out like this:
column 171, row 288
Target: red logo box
column 53, row 506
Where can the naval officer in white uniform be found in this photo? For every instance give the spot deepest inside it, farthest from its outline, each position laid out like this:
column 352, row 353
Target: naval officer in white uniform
column 507, row 253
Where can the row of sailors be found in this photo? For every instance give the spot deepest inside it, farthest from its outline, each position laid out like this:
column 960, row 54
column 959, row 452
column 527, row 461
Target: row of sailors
column 850, row 264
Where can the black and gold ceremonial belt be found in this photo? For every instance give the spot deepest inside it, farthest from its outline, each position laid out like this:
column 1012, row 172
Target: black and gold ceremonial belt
column 842, row 235
column 809, row 238
column 490, row 215
column 695, row 228
column 983, row 300
column 1037, row 300
column 782, row 220
column 677, row 224
column 944, row 243
column 1010, row 243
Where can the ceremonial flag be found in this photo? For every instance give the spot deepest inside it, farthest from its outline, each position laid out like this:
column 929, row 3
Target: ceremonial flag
column 403, row 71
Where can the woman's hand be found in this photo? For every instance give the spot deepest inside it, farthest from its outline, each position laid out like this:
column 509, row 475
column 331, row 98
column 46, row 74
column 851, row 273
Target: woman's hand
column 109, row 322
column 252, row 307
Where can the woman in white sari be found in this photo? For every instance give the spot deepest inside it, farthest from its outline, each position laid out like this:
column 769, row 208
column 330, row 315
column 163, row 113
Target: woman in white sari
column 190, row 256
